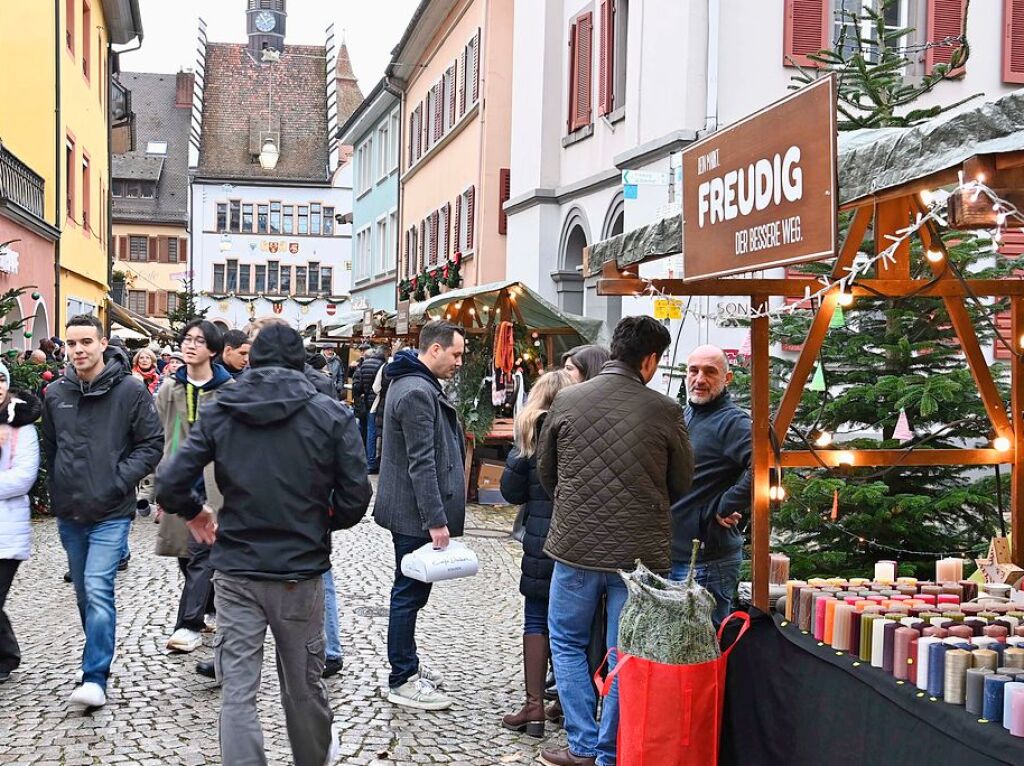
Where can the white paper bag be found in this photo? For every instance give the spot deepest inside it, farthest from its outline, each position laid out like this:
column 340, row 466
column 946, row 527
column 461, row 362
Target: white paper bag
column 428, row 564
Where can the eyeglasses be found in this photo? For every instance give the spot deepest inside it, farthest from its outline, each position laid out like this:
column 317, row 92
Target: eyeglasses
column 194, row 340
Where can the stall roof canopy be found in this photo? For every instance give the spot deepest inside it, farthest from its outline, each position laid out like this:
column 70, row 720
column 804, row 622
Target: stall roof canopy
column 871, row 161
column 537, row 313
column 129, row 320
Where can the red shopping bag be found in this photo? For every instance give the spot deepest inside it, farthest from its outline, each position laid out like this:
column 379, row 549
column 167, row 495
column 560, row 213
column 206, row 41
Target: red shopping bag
column 670, row 715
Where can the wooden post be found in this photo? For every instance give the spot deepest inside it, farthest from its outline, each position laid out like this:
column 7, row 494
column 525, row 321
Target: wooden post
column 549, row 348
column 761, row 459
column 1016, row 406
column 892, row 216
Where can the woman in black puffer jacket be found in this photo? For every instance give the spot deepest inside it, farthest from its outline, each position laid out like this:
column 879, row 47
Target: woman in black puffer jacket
column 520, row 484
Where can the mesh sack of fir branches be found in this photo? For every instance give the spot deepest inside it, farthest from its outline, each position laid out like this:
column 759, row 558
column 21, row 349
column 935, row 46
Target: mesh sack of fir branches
column 667, row 621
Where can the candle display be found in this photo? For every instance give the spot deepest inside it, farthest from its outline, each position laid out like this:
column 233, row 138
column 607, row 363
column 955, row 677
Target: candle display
column 778, row 571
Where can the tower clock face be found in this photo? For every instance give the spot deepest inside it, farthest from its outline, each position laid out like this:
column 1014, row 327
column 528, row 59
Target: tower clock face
column 265, row 21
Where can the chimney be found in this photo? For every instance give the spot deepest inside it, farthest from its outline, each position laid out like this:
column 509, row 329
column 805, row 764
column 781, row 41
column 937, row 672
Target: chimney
column 183, row 89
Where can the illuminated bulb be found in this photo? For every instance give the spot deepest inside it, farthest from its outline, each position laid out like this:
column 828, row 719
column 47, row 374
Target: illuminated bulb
column 935, row 256
column 472, row 312
column 823, row 439
column 844, row 457
column 526, row 355
column 1001, row 443
column 1022, row 341
column 537, row 343
column 980, row 178
column 776, row 493
column 845, row 299
column 927, row 197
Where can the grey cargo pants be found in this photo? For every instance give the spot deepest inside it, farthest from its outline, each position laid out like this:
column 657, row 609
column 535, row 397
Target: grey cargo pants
column 294, row 611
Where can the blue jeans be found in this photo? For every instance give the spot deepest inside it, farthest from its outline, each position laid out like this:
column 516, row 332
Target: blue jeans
column 720, row 576
column 575, row 597
column 408, row 596
column 371, row 441
column 535, row 616
column 94, row 551
column 332, row 631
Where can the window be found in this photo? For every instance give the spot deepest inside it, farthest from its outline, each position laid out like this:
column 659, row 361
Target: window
column 580, row 44
column 362, row 254
column 448, row 98
column 218, row 277
column 847, row 15
column 465, row 219
column 364, row 167
column 382, row 246
column 236, row 216
column 138, row 249
column 244, row 279
column 411, row 245
column 390, row 255
column 172, row 303
column 69, row 178
column 611, row 67
column 275, row 217
column 232, row 276
column 443, row 228
column 222, row 216
column 393, row 146
column 315, row 217
column 384, row 149
column 137, row 301
column 314, row 276
column 156, row 147
column 289, row 220
column 117, row 189
column 86, row 38
column 326, row 280
column 300, row 280
column 328, row 221
column 147, row 189
column 273, row 270
column 262, row 216
column 303, row 219
column 260, row 278
column 415, row 135
column 469, row 90
column 286, row 280
column 86, row 191
column 247, row 218
column 69, row 20
column 172, row 250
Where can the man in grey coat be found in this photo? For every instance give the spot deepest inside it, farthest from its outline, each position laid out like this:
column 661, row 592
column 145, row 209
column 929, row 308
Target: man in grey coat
column 421, row 495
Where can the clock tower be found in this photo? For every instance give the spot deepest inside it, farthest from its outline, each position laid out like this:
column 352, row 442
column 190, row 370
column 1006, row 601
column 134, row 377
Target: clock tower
column 265, row 21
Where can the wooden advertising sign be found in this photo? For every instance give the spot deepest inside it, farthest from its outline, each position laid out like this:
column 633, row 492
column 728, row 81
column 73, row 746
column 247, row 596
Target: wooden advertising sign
column 763, row 192
column 402, row 323
column 368, row 323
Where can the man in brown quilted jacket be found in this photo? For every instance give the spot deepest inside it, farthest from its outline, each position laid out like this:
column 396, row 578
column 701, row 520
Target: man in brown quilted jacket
column 614, row 455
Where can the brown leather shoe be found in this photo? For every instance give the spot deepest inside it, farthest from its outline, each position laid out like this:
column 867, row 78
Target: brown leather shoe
column 562, row 757
column 553, row 712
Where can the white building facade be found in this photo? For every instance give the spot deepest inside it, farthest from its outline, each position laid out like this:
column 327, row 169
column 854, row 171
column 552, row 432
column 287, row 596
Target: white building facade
column 606, row 86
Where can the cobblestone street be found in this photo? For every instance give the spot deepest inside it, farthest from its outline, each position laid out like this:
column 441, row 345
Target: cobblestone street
column 161, row 712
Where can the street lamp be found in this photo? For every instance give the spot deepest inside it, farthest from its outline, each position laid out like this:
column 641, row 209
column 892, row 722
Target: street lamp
column 269, row 154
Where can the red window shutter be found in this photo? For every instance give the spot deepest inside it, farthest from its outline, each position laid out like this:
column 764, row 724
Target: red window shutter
column 432, row 253
column 606, row 58
column 161, row 308
column 421, row 257
column 154, row 249
column 411, row 157
column 447, row 217
column 475, row 81
column 805, row 31
column 462, row 85
column 945, row 19
column 453, row 78
column 470, row 216
column 584, row 68
column 504, row 192
column 438, row 111
column 150, row 304
column 570, row 120
column 182, row 249
column 1013, row 41
column 122, row 248
column 162, row 250
column 457, row 231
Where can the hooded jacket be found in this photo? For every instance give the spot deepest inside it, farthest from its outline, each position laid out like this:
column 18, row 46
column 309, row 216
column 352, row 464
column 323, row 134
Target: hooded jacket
column 613, row 455
column 279, row 450
column 19, row 467
column 422, row 482
column 721, row 438
column 363, row 394
column 179, row 403
column 100, row 439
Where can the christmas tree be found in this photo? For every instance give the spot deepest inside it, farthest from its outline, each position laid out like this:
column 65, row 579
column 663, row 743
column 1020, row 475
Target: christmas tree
column 186, row 309
column 887, row 357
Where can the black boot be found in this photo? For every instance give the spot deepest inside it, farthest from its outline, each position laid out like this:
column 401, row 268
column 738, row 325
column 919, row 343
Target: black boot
column 530, row 718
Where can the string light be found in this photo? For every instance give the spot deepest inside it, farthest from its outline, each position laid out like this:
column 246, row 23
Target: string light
column 1001, row 443
column 845, row 298
column 821, row 437
column 844, row 457
column 776, row 493
column 935, row 256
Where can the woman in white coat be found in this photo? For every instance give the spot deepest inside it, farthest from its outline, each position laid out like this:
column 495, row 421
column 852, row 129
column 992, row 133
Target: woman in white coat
column 19, row 466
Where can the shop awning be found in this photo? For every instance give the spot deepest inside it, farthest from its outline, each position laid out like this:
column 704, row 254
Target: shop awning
column 871, row 162
column 129, row 320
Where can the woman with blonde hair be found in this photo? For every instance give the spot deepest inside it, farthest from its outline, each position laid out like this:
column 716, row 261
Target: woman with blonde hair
column 144, row 368
column 520, row 484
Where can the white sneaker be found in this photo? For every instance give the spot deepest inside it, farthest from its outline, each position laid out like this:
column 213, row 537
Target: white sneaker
column 210, row 623
column 420, row 694
column 89, row 694
column 433, row 677
column 184, row 640
column 78, row 677
column 334, row 751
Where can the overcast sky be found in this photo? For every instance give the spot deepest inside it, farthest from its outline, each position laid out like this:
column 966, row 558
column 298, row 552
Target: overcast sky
column 371, row 30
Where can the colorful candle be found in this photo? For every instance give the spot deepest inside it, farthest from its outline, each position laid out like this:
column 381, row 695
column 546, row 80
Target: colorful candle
column 841, row 627
column 901, row 652
column 867, row 621
column 955, row 677
column 936, row 668
column 976, row 689
column 885, row 571
column 923, row 655
column 992, row 709
column 889, row 645
column 878, row 641
column 996, row 631
column 1016, row 714
column 949, row 570
column 829, row 627
column 1009, row 689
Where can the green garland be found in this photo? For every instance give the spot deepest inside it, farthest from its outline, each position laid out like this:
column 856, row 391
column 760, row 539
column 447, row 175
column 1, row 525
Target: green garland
column 429, row 282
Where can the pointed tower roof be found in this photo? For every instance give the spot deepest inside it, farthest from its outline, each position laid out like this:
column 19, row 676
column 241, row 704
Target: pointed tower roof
column 349, row 94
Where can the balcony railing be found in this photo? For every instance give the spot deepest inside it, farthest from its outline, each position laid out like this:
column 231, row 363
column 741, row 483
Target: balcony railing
column 20, row 184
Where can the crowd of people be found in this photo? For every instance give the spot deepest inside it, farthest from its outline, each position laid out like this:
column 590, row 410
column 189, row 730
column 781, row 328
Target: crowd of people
column 242, row 445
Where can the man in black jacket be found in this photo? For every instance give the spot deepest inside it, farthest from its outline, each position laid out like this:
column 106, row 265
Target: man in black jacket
column 279, row 451
column 363, row 397
column 713, row 510
column 101, row 436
